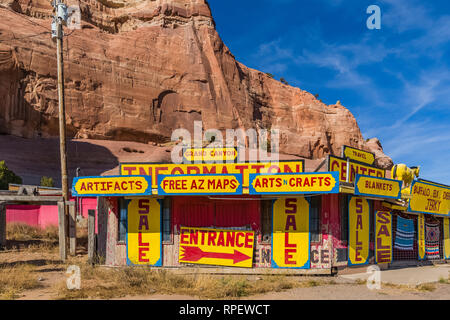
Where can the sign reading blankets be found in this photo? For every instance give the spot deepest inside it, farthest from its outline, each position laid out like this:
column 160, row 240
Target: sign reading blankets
column 404, row 237
column 377, row 187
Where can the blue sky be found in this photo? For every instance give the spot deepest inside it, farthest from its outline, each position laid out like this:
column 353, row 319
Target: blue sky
column 396, row 80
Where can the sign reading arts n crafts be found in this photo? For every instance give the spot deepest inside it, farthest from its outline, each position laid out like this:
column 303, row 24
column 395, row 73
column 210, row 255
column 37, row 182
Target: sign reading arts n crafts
column 155, row 169
column 294, row 183
column 290, row 234
column 210, row 154
column 112, row 186
column 217, row 247
column 383, row 237
column 359, row 231
column 377, row 187
column 339, row 164
column 429, row 198
column 225, row 184
column 358, row 155
column 144, row 242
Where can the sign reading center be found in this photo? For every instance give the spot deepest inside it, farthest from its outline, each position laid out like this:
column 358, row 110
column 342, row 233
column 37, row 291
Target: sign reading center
column 226, row 184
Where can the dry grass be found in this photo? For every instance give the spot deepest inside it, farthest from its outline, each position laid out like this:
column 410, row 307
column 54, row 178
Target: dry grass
column 14, row 280
column 24, row 232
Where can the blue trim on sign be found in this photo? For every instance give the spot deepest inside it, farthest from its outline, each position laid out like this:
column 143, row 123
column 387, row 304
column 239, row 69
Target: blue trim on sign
column 238, row 191
column 253, row 176
column 147, row 192
column 358, row 176
column 273, row 264
column 434, row 214
column 367, row 258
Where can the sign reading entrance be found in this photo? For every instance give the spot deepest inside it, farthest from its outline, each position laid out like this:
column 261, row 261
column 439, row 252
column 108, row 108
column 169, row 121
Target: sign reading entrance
column 378, row 187
column 359, row 228
column 227, row 184
column 429, row 198
column 291, row 238
column 144, row 243
column 112, row 186
column 299, row 183
column 210, row 154
column 217, row 247
column 383, row 237
column 358, row 155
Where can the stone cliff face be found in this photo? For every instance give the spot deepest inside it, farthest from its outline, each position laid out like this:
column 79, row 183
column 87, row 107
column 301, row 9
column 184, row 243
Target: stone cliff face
column 139, row 69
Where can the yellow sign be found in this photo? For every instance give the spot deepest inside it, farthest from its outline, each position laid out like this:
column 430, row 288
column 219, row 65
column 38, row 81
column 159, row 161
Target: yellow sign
column 359, row 155
column 429, row 198
column 200, row 184
column 291, row 238
column 359, row 228
column 111, row 186
column 300, row 183
column 217, row 247
column 421, row 236
column 446, row 238
column 210, row 154
column 378, row 187
column 144, row 244
column 383, row 237
column 338, row 164
column 154, row 170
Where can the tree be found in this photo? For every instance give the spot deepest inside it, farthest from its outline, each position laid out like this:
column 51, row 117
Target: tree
column 283, row 80
column 47, row 182
column 270, row 75
column 7, row 176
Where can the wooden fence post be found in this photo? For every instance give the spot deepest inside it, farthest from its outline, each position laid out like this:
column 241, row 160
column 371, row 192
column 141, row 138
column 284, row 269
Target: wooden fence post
column 72, row 230
column 2, row 224
column 62, row 231
column 91, row 236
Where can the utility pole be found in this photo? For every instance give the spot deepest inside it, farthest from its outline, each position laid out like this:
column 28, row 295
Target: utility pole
column 57, row 34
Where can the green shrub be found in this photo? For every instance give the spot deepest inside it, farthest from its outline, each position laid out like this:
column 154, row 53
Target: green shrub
column 7, row 176
column 47, row 182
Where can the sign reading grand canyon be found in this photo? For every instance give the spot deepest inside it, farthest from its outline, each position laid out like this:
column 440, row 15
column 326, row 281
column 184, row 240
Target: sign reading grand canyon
column 183, row 185
column 217, row 247
column 339, row 164
column 154, row 170
column 429, row 198
column 377, row 187
column 210, row 154
column 358, row 155
column 294, row 183
column 111, row 186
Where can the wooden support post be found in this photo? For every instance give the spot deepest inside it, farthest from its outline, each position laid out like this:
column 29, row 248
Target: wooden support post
column 2, row 224
column 91, row 236
column 72, row 230
column 62, row 231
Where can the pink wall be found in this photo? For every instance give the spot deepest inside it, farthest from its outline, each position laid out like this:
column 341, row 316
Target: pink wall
column 43, row 216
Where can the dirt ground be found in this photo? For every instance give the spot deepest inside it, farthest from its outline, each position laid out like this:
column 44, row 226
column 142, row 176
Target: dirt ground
column 49, row 273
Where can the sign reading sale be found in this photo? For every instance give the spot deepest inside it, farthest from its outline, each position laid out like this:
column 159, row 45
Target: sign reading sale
column 359, row 228
column 217, row 247
column 383, row 237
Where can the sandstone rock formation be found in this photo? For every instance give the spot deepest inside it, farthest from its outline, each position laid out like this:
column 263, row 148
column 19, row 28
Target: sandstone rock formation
column 139, row 69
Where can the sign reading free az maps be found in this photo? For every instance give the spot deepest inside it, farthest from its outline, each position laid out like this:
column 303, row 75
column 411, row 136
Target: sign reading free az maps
column 220, row 184
column 112, row 186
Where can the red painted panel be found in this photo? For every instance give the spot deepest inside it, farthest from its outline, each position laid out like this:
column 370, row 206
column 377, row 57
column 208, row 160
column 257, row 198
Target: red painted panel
column 23, row 214
column 238, row 214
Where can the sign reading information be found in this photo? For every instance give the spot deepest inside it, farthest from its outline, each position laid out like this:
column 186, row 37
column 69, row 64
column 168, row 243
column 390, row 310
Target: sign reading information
column 358, row 155
column 210, row 154
column 244, row 169
column 429, row 198
column 383, row 237
column 299, row 183
column 111, row 186
column 359, row 230
column 217, row 247
column 290, row 234
column 377, row 187
column 338, row 164
column 144, row 243
column 182, row 185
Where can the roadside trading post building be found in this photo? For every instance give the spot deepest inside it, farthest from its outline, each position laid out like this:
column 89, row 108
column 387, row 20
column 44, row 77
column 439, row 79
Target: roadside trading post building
column 267, row 215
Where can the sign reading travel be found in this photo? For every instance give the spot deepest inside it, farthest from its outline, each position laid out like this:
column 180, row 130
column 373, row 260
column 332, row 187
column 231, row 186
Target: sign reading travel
column 244, row 169
column 421, row 236
column 210, row 154
column 429, row 198
column 294, row 183
column 378, row 187
column 144, row 243
column 217, row 247
column 383, row 237
column 339, row 164
column 225, row 184
column 358, row 155
column 359, row 228
column 112, row 186
column 290, row 234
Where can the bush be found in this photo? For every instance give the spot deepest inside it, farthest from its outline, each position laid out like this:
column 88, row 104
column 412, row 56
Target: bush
column 283, row 80
column 7, row 177
column 270, row 75
column 47, row 182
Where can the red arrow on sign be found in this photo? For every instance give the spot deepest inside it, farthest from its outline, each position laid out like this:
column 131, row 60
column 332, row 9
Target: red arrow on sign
column 194, row 254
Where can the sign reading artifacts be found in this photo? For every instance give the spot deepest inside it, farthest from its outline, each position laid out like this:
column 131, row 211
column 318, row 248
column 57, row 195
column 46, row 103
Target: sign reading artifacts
column 377, row 187
column 217, row 247
column 359, row 230
column 111, row 186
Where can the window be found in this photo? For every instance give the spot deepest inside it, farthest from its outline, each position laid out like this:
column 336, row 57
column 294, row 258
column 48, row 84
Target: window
column 343, row 212
column 166, row 215
column 315, row 211
column 122, row 220
column 266, row 221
